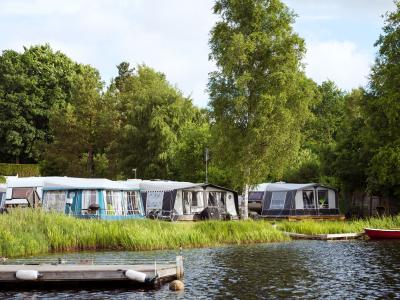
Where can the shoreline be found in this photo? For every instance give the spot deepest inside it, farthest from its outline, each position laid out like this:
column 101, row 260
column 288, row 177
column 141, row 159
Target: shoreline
column 25, row 233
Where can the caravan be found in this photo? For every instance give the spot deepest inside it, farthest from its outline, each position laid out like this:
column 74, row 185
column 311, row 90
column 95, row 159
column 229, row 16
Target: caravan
column 80, row 197
column 188, row 201
column 284, row 200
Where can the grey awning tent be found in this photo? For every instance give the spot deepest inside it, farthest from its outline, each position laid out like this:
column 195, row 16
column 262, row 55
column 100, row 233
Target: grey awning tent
column 294, row 199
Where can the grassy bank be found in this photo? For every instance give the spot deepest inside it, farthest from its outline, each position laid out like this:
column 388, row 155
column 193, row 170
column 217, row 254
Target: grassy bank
column 326, row 227
column 27, row 232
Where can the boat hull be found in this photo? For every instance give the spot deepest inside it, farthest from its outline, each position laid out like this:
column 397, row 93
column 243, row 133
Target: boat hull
column 382, row 233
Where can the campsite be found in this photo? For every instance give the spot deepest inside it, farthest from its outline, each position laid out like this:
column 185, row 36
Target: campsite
column 214, row 149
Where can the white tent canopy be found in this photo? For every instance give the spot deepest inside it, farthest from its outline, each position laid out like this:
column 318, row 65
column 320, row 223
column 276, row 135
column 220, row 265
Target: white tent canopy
column 49, row 183
column 162, row 185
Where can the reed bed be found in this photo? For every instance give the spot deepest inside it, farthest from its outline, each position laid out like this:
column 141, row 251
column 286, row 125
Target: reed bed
column 328, row 227
column 25, row 232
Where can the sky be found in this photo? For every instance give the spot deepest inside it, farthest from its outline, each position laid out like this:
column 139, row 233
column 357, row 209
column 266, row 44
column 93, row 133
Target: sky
column 172, row 36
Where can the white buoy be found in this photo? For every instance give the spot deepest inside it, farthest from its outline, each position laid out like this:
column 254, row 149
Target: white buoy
column 135, row 275
column 27, row 274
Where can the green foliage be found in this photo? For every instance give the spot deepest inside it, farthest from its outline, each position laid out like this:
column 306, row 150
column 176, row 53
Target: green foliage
column 328, row 116
column 30, row 232
column 189, row 163
column 159, row 128
column 3, row 179
column 320, row 135
column 83, row 129
column 349, row 158
column 305, row 168
column 382, row 111
column 259, row 94
column 22, row 170
column 30, row 84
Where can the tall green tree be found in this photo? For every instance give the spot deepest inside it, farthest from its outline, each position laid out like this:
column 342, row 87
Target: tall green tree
column 260, row 96
column 155, row 116
column 30, row 84
column 83, row 130
column 382, row 110
column 349, row 158
column 320, row 136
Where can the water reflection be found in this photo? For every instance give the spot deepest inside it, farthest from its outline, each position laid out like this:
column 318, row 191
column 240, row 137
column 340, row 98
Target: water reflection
column 300, row 269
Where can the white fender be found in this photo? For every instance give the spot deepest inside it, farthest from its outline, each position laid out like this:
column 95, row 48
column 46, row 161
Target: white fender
column 27, row 274
column 135, row 275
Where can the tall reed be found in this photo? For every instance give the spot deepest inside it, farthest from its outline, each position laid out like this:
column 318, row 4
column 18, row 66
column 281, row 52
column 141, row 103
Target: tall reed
column 29, row 232
column 327, row 227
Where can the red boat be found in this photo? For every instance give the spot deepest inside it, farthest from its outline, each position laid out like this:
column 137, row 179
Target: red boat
column 382, row 233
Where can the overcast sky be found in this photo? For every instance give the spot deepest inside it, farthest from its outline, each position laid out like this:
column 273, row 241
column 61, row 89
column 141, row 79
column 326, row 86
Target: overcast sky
column 172, row 35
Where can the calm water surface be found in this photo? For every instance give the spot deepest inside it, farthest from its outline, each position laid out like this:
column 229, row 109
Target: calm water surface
column 299, row 269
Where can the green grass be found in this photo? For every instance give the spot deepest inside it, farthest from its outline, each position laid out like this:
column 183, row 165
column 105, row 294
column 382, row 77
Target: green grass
column 26, row 232
column 326, row 227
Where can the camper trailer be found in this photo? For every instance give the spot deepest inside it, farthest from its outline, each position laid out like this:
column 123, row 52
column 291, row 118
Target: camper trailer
column 174, row 200
column 80, row 197
column 292, row 200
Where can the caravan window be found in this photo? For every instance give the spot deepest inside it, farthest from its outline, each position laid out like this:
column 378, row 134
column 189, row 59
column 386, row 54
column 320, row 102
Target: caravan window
column 21, row 193
column 278, row 200
column 308, row 199
column 54, row 201
column 115, row 203
column 197, row 199
column 323, row 199
column 216, row 199
column 256, row 196
column 212, row 199
column 89, row 197
column 2, row 198
column 186, row 199
column 133, row 203
column 194, row 199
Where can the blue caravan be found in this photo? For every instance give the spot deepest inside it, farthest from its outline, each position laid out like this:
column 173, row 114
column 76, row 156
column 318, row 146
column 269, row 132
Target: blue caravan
column 80, row 197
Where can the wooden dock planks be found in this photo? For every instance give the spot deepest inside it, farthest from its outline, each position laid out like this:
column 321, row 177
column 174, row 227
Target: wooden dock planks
column 325, row 237
column 73, row 274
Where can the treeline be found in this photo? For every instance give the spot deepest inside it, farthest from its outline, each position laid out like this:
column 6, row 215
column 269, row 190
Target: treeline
column 58, row 113
column 266, row 120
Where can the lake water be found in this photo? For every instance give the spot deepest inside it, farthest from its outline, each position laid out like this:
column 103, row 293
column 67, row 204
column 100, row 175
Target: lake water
column 297, row 269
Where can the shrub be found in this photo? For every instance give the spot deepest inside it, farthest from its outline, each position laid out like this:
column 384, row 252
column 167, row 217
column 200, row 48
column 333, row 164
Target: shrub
column 23, row 170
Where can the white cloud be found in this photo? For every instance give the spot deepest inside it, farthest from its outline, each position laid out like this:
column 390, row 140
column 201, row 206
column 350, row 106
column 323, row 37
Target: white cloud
column 342, row 62
column 172, row 36
column 370, row 10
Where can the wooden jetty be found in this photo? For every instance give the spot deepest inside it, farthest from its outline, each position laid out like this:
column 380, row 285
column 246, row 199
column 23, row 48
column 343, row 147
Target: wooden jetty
column 45, row 275
column 325, row 237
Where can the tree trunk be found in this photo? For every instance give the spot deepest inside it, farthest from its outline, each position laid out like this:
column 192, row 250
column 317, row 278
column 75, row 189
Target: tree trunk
column 90, row 161
column 17, row 159
column 246, row 203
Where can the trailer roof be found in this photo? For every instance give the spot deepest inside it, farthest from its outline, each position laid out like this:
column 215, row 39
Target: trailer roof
column 283, row 186
column 66, row 183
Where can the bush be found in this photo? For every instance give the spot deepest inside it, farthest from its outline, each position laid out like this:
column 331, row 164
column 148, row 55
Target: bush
column 23, row 170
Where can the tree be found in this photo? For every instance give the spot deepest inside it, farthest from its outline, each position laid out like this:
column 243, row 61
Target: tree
column 319, row 137
column 260, row 96
column 83, row 130
column 189, row 163
column 349, row 159
column 154, row 118
column 382, row 110
column 30, row 84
